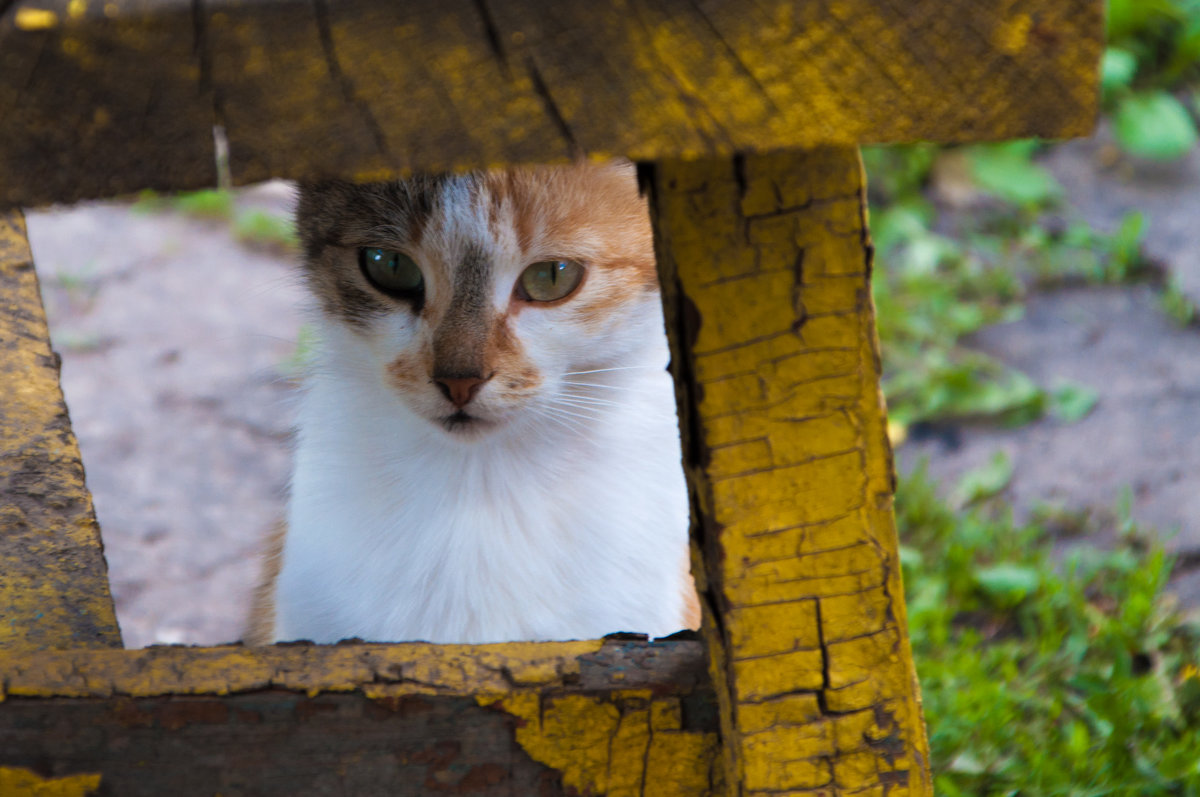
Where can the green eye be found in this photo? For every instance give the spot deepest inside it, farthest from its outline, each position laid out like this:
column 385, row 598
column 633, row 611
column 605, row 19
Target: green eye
column 550, row 280
column 394, row 273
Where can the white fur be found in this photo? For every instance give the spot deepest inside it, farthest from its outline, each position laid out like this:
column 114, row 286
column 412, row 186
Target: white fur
column 567, row 519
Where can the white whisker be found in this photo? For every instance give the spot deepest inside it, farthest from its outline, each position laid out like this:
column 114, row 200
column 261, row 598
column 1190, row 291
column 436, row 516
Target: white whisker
column 619, row 368
column 589, row 401
column 582, row 416
column 625, row 388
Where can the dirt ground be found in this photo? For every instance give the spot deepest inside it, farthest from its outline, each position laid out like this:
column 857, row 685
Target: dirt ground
column 175, row 341
column 177, row 344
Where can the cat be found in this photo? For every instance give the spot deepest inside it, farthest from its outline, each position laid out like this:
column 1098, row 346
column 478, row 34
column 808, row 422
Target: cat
column 487, row 445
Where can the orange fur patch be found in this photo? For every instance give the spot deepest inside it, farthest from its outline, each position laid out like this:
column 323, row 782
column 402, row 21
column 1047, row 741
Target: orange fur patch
column 408, row 372
column 260, row 628
column 691, row 598
column 506, row 357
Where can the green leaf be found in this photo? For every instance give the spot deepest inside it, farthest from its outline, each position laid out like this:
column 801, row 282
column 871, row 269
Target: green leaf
column 212, row 203
column 1117, row 69
column 1177, row 305
column 1007, row 171
column 910, row 557
column 1127, row 243
column 900, row 223
column 1154, row 125
column 1006, row 583
column 986, row 480
column 1072, row 402
column 1131, row 17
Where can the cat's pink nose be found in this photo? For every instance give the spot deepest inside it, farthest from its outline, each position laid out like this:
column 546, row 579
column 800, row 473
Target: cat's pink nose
column 459, row 390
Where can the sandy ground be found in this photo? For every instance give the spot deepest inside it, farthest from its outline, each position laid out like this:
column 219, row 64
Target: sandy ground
column 177, row 344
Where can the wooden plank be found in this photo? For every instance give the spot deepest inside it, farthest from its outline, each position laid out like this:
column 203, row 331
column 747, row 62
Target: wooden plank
column 616, row 717
column 95, row 104
column 765, row 263
column 103, row 98
column 53, row 577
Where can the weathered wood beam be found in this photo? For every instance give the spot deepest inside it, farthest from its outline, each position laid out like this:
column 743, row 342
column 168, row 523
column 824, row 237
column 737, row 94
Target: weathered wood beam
column 53, row 577
column 100, row 98
column 765, row 263
column 617, row 717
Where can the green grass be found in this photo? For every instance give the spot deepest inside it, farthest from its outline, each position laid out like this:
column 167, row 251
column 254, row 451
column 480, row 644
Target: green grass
column 255, row 227
column 252, row 227
column 1151, row 74
column 1043, row 672
column 943, row 276
column 1075, row 677
column 1178, row 307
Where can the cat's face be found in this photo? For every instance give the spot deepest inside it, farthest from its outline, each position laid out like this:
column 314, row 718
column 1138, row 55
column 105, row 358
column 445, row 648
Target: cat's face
column 483, row 300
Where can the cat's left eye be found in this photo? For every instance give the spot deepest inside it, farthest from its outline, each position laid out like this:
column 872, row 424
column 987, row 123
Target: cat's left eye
column 392, row 272
column 549, row 280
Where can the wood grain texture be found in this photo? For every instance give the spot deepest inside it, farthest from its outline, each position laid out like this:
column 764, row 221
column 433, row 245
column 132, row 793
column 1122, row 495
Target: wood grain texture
column 765, row 263
column 618, row 717
column 100, row 98
column 53, row 577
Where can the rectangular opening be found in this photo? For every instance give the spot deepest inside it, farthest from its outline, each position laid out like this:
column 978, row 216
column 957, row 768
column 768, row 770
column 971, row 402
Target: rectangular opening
column 185, row 331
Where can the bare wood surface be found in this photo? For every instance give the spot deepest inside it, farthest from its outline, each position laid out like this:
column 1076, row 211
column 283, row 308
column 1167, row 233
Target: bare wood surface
column 616, row 717
column 765, row 263
column 99, row 98
column 53, row 578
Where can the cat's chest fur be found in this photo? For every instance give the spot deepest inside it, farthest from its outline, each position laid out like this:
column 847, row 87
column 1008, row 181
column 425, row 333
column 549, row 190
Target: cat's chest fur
column 573, row 534
column 487, row 445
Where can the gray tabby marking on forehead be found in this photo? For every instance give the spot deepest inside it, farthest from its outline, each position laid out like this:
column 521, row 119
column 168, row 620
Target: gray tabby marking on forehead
column 336, row 214
column 340, row 213
column 460, row 340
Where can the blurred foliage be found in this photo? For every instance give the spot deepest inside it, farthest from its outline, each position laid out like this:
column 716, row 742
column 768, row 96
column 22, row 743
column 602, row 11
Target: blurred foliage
column 1044, row 677
column 945, row 275
column 1178, row 307
column 1153, row 59
column 257, row 227
column 250, row 226
column 948, row 271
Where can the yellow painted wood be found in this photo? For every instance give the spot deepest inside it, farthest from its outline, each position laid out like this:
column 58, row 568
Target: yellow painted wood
column 765, row 262
column 98, row 98
column 628, row 743
column 53, row 577
column 611, row 717
column 378, row 671
column 19, row 782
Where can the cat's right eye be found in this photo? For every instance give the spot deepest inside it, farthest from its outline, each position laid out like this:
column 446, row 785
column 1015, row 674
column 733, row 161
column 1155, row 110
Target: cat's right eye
column 392, row 272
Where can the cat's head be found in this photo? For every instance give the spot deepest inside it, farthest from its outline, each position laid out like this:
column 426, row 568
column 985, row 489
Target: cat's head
column 481, row 299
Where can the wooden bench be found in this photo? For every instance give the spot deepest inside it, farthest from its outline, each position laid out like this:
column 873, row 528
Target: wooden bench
column 745, row 119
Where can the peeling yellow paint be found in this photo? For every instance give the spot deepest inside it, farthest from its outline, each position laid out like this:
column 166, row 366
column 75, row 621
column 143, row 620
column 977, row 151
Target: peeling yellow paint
column 17, row 782
column 54, row 593
column 429, row 93
column 379, row 671
column 35, row 18
column 1012, row 36
column 625, row 744
column 766, row 270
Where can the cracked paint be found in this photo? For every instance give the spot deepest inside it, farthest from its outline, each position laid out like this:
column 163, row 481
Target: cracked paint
column 54, row 582
column 385, row 89
column 18, row 782
column 809, row 636
column 626, row 743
